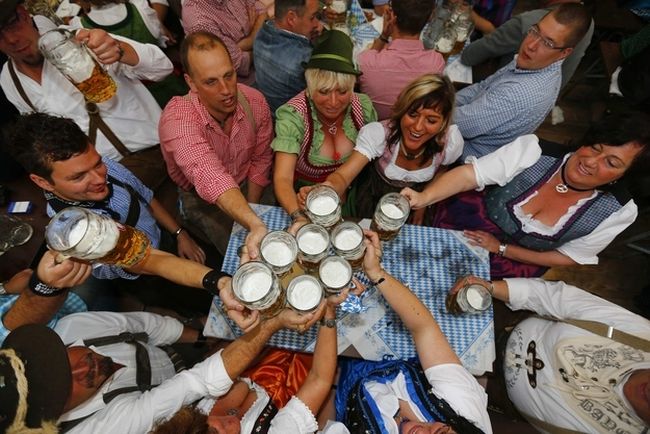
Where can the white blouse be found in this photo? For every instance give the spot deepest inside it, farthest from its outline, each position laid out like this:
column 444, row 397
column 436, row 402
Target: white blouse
column 371, row 143
column 502, row 165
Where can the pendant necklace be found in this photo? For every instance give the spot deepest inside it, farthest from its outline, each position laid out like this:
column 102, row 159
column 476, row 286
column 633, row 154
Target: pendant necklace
column 564, row 187
column 332, row 129
column 408, row 155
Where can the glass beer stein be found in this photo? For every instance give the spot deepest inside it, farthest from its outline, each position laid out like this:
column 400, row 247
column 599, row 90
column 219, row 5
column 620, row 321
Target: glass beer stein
column 313, row 245
column 323, row 206
column 75, row 61
column 279, row 249
column 472, row 298
column 258, row 288
column 390, row 215
column 304, row 293
column 82, row 234
column 335, row 273
column 347, row 240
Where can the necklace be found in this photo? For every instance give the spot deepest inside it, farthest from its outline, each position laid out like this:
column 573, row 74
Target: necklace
column 332, row 129
column 408, row 155
column 564, row 187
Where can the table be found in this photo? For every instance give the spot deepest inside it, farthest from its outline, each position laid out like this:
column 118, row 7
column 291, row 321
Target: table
column 428, row 260
column 19, row 257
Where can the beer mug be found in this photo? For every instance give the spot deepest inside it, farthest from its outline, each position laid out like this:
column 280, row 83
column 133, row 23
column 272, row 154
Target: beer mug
column 75, row 61
column 335, row 273
column 347, row 240
column 313, row 245
column 82, row 234
column 279, row 250
column 390, row 215
column 257, row 287
column 13, row 232
column 304, row 293
column 474, row 298
column 323, row 206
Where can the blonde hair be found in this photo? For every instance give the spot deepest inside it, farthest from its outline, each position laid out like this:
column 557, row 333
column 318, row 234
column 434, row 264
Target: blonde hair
column 322, row 79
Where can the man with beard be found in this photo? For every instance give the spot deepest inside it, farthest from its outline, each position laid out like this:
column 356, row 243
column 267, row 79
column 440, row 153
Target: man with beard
column 103, row 372
column 281, row 46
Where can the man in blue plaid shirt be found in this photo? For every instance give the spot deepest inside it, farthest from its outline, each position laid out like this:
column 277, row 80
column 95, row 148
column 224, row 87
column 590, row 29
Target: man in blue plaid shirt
column 515, row 100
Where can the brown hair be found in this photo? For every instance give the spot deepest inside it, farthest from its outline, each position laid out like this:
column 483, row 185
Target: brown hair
column 576, row 17
column 200, row 41
column 187, row 420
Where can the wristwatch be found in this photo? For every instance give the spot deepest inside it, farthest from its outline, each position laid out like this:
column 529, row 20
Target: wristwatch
column 331, row 322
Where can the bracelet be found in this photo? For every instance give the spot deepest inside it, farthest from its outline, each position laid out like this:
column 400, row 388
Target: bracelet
column 380, row 280
column 502, row 249
column 211, row 279
column 178, row 231
column 39, row 288
column 329, row 323
column 383, row 38
column 297, row 214
column 491, row 288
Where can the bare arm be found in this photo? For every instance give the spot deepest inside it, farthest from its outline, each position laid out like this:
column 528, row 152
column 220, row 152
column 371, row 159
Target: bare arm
column 187, row 247
column 235, row 205
column 482, row 25
column 342, row 177
column 285, row 165
column 457, row 180
column 550, row 258
column 254, row 193
column 246, row 44
column 32, row 308
column 431, row 344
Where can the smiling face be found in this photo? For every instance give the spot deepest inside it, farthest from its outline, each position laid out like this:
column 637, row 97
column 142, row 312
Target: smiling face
column 597, row 165
column 637, row 392
column 213, row 78
column 331, row 103
column 19, row 39
column 79, row 178
column 419, row 126
column 534, row 53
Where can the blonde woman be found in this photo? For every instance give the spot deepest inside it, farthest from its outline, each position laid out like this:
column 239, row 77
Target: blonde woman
column 316, row 130
column 407, row 150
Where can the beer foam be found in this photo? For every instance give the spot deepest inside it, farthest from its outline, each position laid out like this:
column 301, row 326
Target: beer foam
column 334, row 274
column 305, row 294
column 77, row 64
column 77, row 232
column 322, row 205
column 277, row 253
column 476, row 298
column 312, row 242
column 98, row 240
column 347, row 239
column 392, row 211
column 255, row 285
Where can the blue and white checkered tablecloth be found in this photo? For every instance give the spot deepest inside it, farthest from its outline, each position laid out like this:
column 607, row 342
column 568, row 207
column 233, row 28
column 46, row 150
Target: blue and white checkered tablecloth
column 428, row 260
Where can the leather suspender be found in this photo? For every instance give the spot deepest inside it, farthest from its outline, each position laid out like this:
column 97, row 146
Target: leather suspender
column 95, row 120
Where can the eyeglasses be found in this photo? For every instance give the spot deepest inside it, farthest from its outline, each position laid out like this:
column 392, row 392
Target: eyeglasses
column 535, row 33
column 11, row 25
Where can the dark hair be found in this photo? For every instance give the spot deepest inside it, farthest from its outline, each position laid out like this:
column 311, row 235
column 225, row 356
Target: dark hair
column 187, row 420
column 575, row 16
column 412, row 15
column 620, row 128
column 282, row 7
column 200, row 41
column 432, row 91
column 39, row 139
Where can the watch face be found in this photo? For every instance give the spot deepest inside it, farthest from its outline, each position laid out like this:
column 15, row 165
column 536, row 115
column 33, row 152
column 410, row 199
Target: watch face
column 331, row 323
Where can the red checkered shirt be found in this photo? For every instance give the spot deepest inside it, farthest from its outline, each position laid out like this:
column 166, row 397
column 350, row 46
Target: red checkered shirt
column 227, row 19
column 198, row 153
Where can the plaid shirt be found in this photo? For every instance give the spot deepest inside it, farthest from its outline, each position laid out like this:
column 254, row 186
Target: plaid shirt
column 510, row 103
column 228, row 19
column 198, row 153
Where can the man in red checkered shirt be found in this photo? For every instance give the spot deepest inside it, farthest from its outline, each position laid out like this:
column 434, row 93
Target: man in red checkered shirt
column 215, row 140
